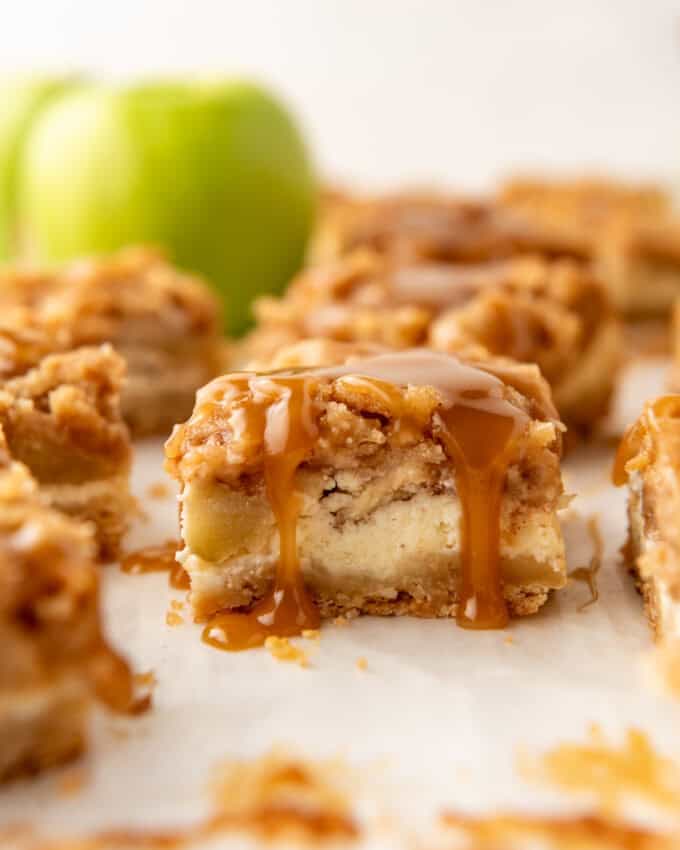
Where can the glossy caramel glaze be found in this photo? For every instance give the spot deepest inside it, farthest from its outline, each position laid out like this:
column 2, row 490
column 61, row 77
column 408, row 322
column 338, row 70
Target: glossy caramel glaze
column 156, row 559
column 474, row 419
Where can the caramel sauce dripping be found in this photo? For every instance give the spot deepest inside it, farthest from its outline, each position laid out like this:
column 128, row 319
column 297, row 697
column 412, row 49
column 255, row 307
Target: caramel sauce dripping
column 667, row 406
column 588, row 575
column 156, row 559
column 277, row 410
column 477, row 426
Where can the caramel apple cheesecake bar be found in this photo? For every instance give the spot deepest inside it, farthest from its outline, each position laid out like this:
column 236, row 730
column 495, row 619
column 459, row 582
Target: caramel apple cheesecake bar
column 408, row 482
column 648, row 461
column 54, row 657
column 631, row 233
column 421, row 226
column 165, row 323
column 555, row 313
column 62, row 420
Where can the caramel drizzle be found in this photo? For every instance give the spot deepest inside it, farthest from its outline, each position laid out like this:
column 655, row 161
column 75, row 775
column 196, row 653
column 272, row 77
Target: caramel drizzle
column 477, row 426
column 156, row 559
column 667, row 406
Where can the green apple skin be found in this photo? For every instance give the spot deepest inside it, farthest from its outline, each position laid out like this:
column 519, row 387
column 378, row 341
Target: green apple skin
column 21, row 101
column 217, row 174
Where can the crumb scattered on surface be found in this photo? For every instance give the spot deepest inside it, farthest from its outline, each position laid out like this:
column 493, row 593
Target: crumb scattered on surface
column 341, row 621
column 158, row 490
column 362, row 664
column 172, row 618
column 177, row 604
column 311, row 634
column 585, row 832
column 71, row 782
column 146, row 680
column 611, row 775
column 283, row 650
column 281, row 795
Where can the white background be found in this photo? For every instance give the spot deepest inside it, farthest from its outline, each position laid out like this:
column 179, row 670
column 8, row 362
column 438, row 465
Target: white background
column 400, row 90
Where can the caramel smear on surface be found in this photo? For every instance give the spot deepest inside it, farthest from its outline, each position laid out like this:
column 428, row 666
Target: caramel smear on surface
column 521, row 832
column 278, row 412
column 589, row 574
column 157, row 559
column 283, row 650
column 612, row 775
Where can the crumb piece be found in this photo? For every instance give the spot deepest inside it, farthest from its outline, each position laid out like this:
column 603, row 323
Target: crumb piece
column 278, row 795
column 362, row 664
column 173, row 619
column 146, row 680
column 552, row 833
column 71, row 782
column 311, row 634
column 341, row 621
column 611, row 775
column 177, row 604
column 158, row 490
column 283, row 650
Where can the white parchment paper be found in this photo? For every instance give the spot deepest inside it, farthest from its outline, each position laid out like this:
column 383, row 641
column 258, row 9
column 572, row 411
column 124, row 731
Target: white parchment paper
column 436, row 719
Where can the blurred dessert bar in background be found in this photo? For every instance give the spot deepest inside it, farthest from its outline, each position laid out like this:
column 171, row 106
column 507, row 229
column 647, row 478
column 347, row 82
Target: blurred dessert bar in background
column 62, row 419
column 364, row 487
column 630, row 232
column 649, row 462
column 54, row 657
column 165, row 323
column 554, row 313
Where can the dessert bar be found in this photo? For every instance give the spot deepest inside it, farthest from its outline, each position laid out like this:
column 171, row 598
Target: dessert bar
column 62, row 419
column 165, row 323
column 412, row 482
column 54, row 656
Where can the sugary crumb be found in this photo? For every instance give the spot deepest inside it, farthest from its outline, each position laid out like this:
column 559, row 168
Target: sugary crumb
column 158, row 490
column 362, row 664
column 283, row 650
column 177, row 604
column 71, row 782
column 146, row 680
column 173, row 619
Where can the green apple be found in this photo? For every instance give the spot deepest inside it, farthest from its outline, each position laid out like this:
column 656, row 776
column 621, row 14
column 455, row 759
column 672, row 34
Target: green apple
column 217, row 174
column 21, row 101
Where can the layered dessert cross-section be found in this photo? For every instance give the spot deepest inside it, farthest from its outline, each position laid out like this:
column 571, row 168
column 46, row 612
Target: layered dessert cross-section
column 62, row 420
column 412, row 482
column 54, row 657
column 165, row 324
column 554, row 313
column 648, row 461
column 630, row 232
